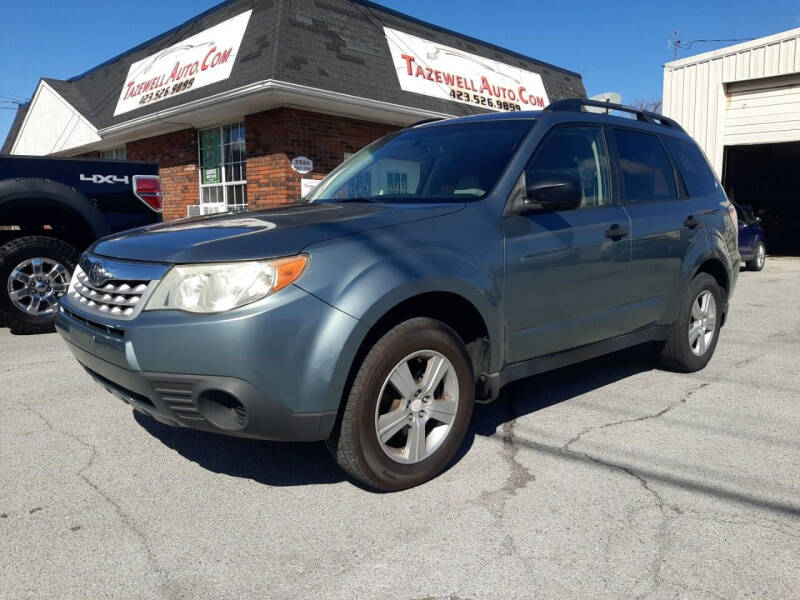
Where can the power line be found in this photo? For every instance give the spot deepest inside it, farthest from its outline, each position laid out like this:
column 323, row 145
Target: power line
column 12, row 100
column 677, row 43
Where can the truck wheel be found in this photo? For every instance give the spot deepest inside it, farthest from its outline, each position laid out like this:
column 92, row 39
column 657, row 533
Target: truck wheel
column 408, row 408
column 34, row 274
column 694, row 334
column 759, row 258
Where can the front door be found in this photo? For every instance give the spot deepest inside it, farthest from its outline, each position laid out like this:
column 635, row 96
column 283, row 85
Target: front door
column 566, row 271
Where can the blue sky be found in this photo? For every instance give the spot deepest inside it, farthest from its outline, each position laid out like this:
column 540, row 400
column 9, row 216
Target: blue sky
column 616, row 46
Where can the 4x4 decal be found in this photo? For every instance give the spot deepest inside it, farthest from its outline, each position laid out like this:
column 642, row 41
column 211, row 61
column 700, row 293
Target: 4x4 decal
column 97, row 178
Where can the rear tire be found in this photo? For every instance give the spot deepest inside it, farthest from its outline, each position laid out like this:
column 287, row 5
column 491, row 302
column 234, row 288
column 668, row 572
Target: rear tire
column 396, row 436
column 33, row 310
column 694, row 334
column 759, row 258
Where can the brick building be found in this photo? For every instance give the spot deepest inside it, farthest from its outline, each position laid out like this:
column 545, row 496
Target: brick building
column 251, row 102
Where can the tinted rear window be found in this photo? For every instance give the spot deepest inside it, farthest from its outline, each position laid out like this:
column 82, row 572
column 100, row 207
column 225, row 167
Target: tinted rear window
column 693, row 166
column 646, row 170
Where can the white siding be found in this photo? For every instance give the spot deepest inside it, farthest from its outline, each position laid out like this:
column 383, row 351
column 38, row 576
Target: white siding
column 701, row 94
column 52, row 125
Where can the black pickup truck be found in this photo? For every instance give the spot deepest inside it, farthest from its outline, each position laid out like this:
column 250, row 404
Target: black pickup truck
column 51, row 209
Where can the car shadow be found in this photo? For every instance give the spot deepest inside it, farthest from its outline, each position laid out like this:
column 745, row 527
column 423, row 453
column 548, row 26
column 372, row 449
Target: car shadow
column 532, row 394
column 271, row 463
column 304, row 463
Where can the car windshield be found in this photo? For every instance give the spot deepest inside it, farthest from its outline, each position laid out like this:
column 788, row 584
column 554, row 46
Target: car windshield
column 459, row 161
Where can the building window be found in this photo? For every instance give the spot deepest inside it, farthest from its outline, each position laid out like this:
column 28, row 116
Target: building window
column 223, row 168
column 117, row 153
column 397, row 183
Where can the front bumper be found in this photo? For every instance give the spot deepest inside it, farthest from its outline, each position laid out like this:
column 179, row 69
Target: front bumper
column 275, row 370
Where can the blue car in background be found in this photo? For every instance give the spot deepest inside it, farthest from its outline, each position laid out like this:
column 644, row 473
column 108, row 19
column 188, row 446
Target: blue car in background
column 751, row 238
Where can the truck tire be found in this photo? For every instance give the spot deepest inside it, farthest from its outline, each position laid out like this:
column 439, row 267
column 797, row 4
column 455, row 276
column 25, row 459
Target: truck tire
column 408, row 408
column 694, row 334
column 34, row 273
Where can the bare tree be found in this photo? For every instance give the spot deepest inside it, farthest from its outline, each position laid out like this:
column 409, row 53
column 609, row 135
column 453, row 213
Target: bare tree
column 653, row 104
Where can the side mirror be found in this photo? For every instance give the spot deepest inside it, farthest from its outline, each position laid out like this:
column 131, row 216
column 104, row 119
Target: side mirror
column 756, row 219
column 550, row 192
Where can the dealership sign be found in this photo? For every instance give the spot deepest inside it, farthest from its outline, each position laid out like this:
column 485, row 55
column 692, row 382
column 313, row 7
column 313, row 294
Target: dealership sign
column 195, row 62
column 433, row 69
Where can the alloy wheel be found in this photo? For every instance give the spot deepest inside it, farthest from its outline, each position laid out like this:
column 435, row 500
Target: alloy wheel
column 702, row 323
column 761, row 256
column 36, row 284
column 417, row 406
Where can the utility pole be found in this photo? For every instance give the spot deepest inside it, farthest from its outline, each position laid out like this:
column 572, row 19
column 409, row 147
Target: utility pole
column 675, row 42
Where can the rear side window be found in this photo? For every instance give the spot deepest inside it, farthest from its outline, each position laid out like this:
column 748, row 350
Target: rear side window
column 646, row 170
column 693, row 166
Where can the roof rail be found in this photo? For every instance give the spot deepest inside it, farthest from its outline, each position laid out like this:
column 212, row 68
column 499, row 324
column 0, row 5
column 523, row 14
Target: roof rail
column 577, row 105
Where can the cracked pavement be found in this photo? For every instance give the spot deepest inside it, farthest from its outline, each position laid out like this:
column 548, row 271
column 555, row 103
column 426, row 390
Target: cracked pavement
column 608, row 479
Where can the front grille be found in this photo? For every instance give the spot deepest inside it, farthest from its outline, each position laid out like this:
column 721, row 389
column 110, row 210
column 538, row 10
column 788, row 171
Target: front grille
column 115, row 331
column 115, row 297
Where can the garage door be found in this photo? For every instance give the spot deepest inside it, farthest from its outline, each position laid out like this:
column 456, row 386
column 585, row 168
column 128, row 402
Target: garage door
column 763, row 112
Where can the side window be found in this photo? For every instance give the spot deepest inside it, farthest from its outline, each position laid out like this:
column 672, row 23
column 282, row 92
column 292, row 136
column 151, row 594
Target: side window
column 646, row 171
column 576, row 151
column 693, row 165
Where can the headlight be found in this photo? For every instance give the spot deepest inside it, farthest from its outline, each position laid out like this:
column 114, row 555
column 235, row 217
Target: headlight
column 219, row 287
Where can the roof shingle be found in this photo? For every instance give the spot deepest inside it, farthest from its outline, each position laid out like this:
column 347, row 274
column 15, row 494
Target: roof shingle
column 336, row 45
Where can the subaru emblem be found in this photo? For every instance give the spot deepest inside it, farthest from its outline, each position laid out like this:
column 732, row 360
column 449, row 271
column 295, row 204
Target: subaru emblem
column 97, row 274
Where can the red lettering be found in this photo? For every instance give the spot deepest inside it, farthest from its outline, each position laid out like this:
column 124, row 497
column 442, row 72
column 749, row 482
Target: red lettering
column 420, row 72
column 522, row 92
column 409, row 60
column 224, row 56
column 205, row 60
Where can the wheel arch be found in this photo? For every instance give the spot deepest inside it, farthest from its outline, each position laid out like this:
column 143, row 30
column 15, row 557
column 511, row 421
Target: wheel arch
column 453, row 309
column 714, row 266
column 71, row 216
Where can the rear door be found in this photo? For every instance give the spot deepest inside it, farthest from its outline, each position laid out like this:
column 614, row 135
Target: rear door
column 567, row 270
column 664, row 223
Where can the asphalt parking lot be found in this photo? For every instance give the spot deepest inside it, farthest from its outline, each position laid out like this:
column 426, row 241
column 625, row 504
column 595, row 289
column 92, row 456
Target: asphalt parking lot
column 610, row 479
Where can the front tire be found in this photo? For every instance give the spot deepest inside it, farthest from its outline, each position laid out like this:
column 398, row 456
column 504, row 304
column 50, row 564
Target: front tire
column 695, row 333
column 34, row 274
column 759, row 258
column 408, row 408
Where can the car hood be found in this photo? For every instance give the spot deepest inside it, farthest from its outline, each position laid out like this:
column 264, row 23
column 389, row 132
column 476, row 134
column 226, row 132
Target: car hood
column 279, row 231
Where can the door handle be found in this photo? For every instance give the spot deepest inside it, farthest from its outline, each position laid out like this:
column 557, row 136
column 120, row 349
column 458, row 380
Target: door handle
column 692, row 221
column 616, row 232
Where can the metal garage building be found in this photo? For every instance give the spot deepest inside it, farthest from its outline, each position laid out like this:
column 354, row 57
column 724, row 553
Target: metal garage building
column 742, row 105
